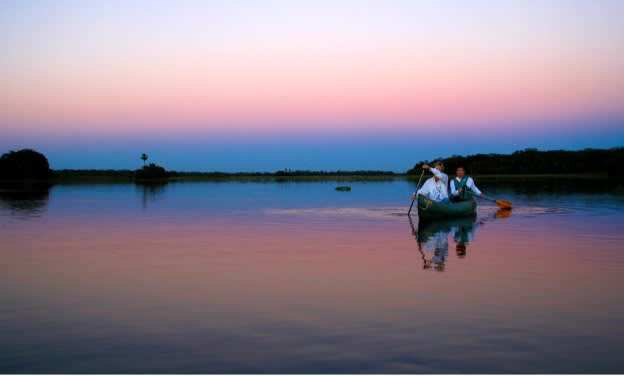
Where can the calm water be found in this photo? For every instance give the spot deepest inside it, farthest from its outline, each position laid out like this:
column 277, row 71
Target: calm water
column 296, row 277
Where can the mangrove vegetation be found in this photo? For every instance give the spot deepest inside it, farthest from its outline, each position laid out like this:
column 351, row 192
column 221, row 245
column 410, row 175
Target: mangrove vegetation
column 590, row 162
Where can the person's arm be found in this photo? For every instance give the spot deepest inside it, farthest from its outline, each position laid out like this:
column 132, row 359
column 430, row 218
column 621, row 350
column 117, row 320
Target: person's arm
column 436, row 172
column 454, row 191
column 470, row 184
column 440, row 175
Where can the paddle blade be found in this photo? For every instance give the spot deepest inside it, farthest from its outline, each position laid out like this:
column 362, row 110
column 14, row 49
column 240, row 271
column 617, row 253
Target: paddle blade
column 504, row 204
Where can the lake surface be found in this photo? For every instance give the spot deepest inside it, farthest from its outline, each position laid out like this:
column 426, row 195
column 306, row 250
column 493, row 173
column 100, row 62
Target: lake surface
column 300, row 278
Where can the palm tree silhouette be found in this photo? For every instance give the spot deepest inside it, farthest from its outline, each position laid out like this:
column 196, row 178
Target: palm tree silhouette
column 144, row 158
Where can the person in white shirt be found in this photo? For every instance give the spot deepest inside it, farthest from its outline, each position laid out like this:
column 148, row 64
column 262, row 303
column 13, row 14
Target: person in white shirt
column 463, row 187
column 436, row 187
column 438, row 170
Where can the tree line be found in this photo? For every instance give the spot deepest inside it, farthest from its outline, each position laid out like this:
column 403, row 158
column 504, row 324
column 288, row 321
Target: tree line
column 533, row 161
column 29, row 164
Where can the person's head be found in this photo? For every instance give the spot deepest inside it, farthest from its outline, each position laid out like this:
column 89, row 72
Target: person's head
column 460, row 172
column 439, row 165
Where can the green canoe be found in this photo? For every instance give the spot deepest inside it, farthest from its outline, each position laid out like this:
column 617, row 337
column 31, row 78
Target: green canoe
column 428, row 209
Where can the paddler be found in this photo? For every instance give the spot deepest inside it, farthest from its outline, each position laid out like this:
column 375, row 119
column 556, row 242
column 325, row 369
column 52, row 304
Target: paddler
column 438, row 171
column 436, row 187
column 463, row 186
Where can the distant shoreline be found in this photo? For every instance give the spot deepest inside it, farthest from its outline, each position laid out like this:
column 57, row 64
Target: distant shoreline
column 108, row 176
column 527, row 164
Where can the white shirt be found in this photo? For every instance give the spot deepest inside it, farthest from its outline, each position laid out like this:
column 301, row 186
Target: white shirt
column 469, row 185
column 433, row 190
column 441, row 175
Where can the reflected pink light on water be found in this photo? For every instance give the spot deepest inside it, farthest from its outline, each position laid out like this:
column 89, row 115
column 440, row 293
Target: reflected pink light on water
column 211, row 270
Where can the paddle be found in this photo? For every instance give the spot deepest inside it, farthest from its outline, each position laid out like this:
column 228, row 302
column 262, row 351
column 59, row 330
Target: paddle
column 417, row 185
column 503, row 204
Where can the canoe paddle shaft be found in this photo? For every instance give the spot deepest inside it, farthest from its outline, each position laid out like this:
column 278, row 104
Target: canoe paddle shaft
column 410, row 209
column 415, row 196
column 503, row 204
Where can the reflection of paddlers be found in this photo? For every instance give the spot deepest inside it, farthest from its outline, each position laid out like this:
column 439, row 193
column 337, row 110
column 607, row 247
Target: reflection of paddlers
column 433, row 243
column 460, row 250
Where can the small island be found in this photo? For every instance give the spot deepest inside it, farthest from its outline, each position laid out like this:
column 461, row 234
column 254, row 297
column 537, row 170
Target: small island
column 150, row 173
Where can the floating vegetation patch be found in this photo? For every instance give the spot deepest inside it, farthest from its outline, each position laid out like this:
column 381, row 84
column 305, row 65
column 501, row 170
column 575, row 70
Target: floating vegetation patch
column 343, row 188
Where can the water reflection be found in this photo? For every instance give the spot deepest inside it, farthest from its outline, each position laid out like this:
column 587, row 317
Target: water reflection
column 150, row 191
column 502, row 213
column 433, row 239
column 25, row 200
column 209, row 282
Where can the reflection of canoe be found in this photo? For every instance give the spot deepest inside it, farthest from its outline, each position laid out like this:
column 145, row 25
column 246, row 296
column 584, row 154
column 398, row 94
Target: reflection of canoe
column 446, row 224
column 428, row 209
column 426, row 229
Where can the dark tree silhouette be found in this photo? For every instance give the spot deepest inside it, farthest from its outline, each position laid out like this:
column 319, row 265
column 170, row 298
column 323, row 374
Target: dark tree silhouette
column 144, row 158
column 533, row 161
column 151, row 172
column 25, row 164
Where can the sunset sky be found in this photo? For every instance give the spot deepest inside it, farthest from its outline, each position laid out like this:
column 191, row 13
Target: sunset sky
column 264, row 85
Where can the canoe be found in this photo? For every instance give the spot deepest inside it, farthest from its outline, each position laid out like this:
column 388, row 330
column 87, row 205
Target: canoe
column 428, row 209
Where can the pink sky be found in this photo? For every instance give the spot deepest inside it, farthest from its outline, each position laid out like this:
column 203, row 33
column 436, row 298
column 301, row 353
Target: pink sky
column 318, row 90
column 310, row 67
column 369, row 71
